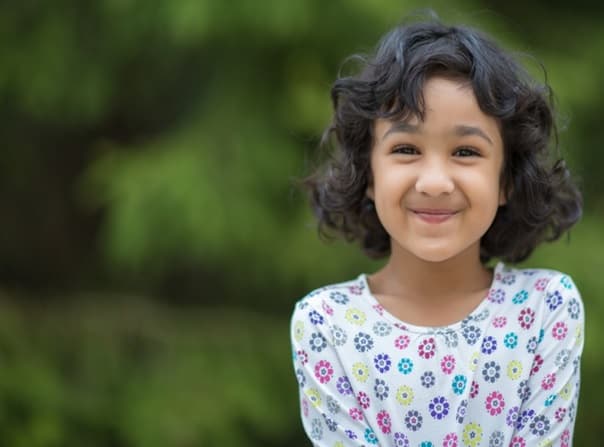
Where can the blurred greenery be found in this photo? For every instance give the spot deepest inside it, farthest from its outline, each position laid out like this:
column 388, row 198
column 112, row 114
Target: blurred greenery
column 153, row 241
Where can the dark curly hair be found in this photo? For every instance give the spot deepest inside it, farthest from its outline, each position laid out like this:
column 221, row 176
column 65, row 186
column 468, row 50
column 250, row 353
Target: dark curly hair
column 542, row 200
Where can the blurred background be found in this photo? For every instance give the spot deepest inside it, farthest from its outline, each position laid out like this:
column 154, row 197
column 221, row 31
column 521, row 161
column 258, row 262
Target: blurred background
column 152, row 240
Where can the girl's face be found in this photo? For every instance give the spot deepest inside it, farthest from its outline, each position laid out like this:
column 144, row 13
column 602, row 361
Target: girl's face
column 436, row 183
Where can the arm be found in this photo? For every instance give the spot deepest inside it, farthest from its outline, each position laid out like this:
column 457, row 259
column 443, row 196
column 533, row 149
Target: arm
column 331, row 415
column 550, row 395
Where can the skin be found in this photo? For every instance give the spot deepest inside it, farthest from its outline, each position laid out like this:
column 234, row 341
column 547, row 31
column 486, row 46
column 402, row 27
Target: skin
column 436, row 187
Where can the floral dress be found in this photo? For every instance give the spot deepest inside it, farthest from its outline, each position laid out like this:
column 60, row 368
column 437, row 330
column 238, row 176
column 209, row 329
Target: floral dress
column 506, row 375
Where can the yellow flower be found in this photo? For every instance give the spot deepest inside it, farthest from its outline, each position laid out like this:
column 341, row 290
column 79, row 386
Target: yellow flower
column 472, row 434
column 578, row 334
column 546, row 443
column 338, row 444
column 355, row 316
column 474, row 361
column 565, row 392
column 404, row 395
column 298, row 330
column 314, row 397
column 360, row 371
column 514, row 369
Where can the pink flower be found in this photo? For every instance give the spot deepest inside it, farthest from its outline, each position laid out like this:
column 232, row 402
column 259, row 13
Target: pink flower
column 402, row 341
column 447, row 364
column 565, row 438
column 427, row 348
column 355, row 290
column 517, row 441
column 383, row 420
column 537, row 362
column 327, row 308
column 549, row 381
column 323, row 371
column 560, row 413
column 302, row 356
column 450, row 440
column 363, row 400
column 379, row 309
column 541, row 284
column 559, row 330
column 356, row 414
column 526, row 318
column 495, row 403
column 305, row 407
column 474, row 389
column 500, row 322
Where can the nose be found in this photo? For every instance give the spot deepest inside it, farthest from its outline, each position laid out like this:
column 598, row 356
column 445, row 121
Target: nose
column 434, row 179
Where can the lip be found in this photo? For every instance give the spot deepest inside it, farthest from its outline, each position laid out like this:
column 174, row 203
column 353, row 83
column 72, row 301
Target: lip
column 432, row 215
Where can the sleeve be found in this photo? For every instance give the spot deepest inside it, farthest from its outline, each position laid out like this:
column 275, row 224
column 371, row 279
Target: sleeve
column 551, row 393
column 330, row 413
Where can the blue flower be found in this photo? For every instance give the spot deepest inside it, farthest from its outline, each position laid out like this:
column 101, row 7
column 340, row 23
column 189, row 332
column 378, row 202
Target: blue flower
column 405, row 366
column 370, row 436
column 489, row 344
column 520, row 297
column 459, row 384
column 510, row 340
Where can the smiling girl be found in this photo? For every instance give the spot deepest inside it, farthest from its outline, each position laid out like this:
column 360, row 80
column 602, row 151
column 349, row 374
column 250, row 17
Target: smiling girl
column 442, row 162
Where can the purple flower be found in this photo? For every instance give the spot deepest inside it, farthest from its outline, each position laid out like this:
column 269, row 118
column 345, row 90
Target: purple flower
column 439, row 407
column 343, row 385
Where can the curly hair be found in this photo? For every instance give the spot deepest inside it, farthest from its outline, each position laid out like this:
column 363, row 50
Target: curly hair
column 542, row 199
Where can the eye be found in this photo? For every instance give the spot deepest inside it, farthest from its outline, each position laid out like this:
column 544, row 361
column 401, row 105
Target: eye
column 405, row 150
column 466, row 152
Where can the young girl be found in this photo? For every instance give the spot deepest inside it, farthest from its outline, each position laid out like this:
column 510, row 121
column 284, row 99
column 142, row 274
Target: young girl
column 441, row 163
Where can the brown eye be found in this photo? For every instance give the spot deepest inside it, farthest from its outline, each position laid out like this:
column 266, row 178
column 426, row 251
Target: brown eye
column 466, row 152
column 405, row 150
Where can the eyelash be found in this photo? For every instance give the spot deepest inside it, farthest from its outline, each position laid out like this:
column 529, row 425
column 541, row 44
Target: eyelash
column 406, row 150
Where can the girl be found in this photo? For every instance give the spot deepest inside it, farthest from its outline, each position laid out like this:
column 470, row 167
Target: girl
column 441, row 164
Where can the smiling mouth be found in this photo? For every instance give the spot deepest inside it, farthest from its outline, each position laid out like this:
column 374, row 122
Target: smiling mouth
column 434, row 215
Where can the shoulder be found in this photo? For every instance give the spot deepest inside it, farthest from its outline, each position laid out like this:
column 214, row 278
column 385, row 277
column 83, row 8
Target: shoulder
column 338, row 293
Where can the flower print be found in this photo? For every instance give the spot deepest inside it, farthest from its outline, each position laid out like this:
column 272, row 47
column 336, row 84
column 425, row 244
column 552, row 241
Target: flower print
column 490, row 371
column 512, row 417
column 562, row 358
column 541, row 284
column 553, row 299
column 540, row 425
column 381, row 329
column 401, row 342
column 571, row 411
column 474, row 361
column 428, row 379
column 363, row 342
column 332, row 405
column 316, row 431
column 383, row 420
column 474, row 389
column 363, row 400
column 517, row 441
column 489, row 345
column 524, row 391
column 541, row 335
column 370, row 436
column 356, row 289
column 566, row 282
column 382, row 362
column 496, row 296
column 427, row 348
column 314, row 397
column 355, row 316
column 471, row 334
column 305, row 407
column 526, row 318
column 495, row 403
column 356, row 414
column 381, row 389
column 438, row 407
column 531, row 345
column 510, row 340
column 360, row 371
column 327, row 308
column 499, row 322
column 509, row 279
column 472, row 434
column 330, row 423
column 404, row 395
column 450, row 440
column 426, row 444
column 351, row 434
column 565, row 438
column 401, row 440
column 300, row 378
column 339, row 297
column 447, row 364
column 302, row 356
column 405, row 366
column 559, row 414
column 317, row 342
column 514, row 369
column 378, row 308
column 459, row 384
column 573, row 308
column 338, row 335
column 520, row 297
column 524, row 418
column 550, row 400
column 450, row 337
column 413, row 420
column 537, row 362
column 496, row 439
column 315, row 317
column 559, row 330
column 343, row 385
column 461, row 411
column 548, row 381
column 298, row 330
column 323, row 371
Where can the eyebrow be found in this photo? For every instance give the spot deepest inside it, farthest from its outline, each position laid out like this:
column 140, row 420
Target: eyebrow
column 460, row 130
